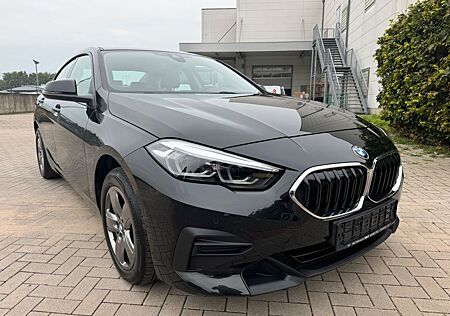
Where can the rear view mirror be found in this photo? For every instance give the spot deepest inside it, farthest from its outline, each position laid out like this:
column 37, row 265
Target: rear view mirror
column 65, row 89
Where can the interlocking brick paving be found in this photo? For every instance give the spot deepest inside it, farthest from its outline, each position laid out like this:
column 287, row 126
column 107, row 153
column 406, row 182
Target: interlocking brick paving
column 53, row 258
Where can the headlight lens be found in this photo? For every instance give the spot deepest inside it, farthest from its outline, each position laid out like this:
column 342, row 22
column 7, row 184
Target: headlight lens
column 192, row 162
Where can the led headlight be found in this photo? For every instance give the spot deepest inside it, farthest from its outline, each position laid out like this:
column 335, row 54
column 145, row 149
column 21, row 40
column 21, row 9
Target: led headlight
column 192, row 162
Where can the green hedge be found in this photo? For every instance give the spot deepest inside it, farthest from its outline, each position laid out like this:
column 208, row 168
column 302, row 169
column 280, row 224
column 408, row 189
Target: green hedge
column 414, row 71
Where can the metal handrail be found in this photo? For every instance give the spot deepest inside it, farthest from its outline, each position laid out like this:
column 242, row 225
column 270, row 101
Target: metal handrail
column 320, row 47
column 353, row 63
column 349, row 60
column 335, row 86
column 341, row 44
column 326, row 60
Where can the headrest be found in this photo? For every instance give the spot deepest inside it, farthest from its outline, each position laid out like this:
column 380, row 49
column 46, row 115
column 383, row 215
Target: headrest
column 170, row 80
column 139, row 86
column 116, row 83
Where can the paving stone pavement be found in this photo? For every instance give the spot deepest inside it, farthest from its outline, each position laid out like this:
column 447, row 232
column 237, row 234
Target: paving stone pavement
column 53, row 258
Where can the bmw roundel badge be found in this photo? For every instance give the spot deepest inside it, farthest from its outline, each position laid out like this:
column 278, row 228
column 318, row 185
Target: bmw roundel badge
column 360, row 152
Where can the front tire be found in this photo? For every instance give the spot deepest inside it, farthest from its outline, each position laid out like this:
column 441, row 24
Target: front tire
column 44, row 167
column 124, row 229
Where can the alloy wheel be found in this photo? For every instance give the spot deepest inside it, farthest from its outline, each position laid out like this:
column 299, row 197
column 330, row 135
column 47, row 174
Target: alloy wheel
column 120, row 227
column 40, row 153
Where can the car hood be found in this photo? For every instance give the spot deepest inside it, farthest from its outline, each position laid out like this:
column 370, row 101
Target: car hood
column 227, row 120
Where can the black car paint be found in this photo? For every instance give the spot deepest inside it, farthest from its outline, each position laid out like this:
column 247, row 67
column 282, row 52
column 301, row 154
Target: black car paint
column 77, row 137
column 232, row 120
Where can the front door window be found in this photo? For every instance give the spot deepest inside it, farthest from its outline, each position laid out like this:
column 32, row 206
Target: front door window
column 82, row 74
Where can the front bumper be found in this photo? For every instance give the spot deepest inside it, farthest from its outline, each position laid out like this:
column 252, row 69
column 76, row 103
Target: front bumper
column 279, row 271
column 217, row 241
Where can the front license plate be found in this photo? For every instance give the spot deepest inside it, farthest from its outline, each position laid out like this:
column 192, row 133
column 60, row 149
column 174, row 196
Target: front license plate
column 357, row 228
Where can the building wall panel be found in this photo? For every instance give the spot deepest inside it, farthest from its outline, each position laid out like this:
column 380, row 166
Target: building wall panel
column 265, row 20
column 216, row 23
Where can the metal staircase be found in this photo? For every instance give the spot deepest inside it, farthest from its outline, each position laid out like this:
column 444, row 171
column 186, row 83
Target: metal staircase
column 345, row 86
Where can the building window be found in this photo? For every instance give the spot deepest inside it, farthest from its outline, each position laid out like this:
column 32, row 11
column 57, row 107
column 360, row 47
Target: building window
column 344, row 18
column 369, row 4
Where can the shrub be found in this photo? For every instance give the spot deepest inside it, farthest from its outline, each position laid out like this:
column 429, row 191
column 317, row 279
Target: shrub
column 414, row 70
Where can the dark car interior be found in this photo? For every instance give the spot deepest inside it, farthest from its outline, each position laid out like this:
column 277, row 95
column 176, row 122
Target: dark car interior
column 156, row 72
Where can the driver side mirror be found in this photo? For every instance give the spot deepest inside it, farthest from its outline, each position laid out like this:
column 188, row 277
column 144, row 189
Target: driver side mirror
column 65, row 89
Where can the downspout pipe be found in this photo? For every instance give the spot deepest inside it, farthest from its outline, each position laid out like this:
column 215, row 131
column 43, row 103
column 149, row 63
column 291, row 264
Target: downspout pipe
column 323, row 14
column 348, row 23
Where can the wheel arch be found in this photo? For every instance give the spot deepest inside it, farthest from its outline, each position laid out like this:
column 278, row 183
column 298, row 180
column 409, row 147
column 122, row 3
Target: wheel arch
column 106, row 162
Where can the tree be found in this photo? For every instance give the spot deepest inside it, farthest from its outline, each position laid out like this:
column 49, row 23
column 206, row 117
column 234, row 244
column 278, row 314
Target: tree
column 14, row 79
column 414, row 70
column 21, row 78
column 44, row 77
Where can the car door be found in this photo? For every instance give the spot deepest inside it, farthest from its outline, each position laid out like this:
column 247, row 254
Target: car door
column 72, row 119
column 47, row 117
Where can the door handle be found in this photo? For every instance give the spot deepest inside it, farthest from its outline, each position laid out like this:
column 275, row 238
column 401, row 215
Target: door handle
column 57, row 108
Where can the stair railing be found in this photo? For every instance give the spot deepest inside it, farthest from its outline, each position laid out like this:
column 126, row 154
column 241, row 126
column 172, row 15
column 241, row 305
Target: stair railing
column 319, row 45
column 326, row 61
column 352, row 61
column 340, row 41
column 349, row 60
column 334, row 80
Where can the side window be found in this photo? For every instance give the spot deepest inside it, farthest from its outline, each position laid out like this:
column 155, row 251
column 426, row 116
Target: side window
column 64, row 73
column 82, row 74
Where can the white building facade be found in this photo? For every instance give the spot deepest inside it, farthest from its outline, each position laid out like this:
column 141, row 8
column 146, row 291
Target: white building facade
column 271, row 41
column 368, row 19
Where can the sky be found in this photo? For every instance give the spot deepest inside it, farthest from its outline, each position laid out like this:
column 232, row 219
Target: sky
column 51, row 31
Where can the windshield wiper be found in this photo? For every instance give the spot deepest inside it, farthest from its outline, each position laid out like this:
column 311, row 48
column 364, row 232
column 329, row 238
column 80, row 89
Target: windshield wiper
column 226, row 92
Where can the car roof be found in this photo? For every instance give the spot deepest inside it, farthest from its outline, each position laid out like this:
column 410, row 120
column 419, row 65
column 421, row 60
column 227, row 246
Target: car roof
column 99, row 48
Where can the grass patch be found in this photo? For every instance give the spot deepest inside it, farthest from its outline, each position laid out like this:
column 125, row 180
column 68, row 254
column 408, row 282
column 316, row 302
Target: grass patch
column 400, row 139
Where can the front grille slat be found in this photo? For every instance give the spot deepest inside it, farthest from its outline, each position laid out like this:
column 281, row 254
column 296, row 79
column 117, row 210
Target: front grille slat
column 394, row 168
column 390, row 172
column 345, row 187
column 332, row 192
column 359, row 185
column 316, row 206
column 384, row 175
column 328, row 192
column 352, row 186
column 307, row 192
column 383, row 181
column 336, row 191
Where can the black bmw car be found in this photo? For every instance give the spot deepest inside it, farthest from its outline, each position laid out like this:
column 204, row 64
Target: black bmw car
column 207, row 182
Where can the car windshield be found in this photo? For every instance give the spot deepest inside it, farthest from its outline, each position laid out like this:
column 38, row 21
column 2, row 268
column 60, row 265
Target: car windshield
column 165, row 72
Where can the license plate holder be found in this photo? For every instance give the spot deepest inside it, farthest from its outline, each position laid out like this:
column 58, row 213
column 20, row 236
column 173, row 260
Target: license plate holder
column 352, row 230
